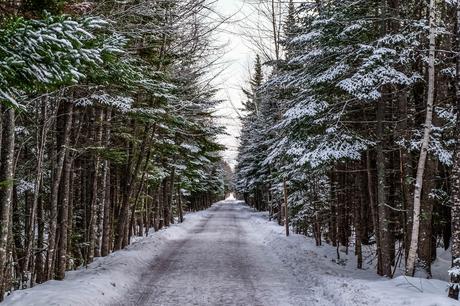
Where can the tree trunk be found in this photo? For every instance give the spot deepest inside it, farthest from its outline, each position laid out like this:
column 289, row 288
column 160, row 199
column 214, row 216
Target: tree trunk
column 405, row 170
column 122, row 231
column 106, row 223
column 179, row 204
column 67, row 111
column 138, row 194
column 6, row 186
column 70, row 213
column 383, row 228
column 454, row 287
column 92, row 226
column 156, row 208
column 41, row 141
column 39, row 259
column 63, row 219
column 165, row 197
column 286, row 208
column 425, row 250
column 358, row 220
column 332, row 232
column 412, row 255
column 171, row 194
column 275, row 30
column 147, row 211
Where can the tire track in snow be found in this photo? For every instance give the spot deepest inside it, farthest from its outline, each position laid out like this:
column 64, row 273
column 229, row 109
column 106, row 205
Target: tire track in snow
column 223, row 260
column 162, row 265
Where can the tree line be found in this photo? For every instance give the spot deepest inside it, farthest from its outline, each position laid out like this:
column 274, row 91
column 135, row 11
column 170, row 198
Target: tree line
column 107, row 128
column 352, row 130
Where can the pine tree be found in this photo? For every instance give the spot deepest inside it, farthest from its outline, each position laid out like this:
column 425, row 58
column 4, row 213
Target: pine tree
column 119, row 134
column 350, row 92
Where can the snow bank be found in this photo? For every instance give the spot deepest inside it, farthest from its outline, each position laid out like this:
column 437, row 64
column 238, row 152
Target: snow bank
column 341, row 282
column 107, row 279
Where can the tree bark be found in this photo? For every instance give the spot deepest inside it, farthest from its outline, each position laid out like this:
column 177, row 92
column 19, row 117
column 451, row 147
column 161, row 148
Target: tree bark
column 171, row 194
column 41, row 141
column 383, row 229
column 106, row 223
column 275, row 30
column 179, row 203
column 165, row 199
column 425, row 249
column 40, row 258
column 122, row 231
column 286, row 208
column 64, row 219
column 358, row 221
column 92, row 226
column 67, row 111
column 156, row 208
column 412, row 255
column 6, row 186
column 454, row 287
column 405, row 169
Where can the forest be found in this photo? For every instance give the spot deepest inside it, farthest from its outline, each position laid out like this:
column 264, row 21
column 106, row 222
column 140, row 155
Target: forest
column 107, row 129
column 349, row 137
column 352, row 135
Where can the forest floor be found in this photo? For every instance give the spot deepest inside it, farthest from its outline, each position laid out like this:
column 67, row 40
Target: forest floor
column 230, row 255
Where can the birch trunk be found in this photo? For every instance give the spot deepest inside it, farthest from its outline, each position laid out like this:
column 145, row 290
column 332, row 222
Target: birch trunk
column 106, row 226
column 92, row 227
column 412, row 255
column 41, row 140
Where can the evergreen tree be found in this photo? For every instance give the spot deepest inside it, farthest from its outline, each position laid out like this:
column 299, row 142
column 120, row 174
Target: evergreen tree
column 351, row 93
column 115, row 135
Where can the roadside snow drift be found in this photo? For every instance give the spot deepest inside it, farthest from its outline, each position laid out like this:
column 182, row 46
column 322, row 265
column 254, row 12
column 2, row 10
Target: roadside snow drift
column 230, row 255
column 107, row 280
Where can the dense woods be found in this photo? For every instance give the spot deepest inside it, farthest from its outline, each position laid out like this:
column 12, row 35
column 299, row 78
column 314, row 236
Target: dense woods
column 350, row 129
column 107, row 128
column 356, row 126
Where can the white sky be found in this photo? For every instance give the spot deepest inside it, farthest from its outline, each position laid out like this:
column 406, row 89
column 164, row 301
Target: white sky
column 237, row 60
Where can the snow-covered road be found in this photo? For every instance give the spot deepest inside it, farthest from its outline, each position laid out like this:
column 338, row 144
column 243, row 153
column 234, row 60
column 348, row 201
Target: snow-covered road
column 221, row 261
column 230, row 255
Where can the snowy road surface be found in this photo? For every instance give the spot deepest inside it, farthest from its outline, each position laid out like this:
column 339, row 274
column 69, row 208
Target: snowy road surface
column 230, row 255
column 221, row 261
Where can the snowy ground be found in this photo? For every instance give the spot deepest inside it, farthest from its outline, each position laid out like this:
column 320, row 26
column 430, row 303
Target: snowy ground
column 229, row 255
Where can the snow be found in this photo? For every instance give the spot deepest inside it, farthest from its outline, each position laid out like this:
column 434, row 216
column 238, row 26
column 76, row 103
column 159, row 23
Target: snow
column 343, row 284
column 231, row 255
column 123, row 104
column 304, row 38
column 107, row 279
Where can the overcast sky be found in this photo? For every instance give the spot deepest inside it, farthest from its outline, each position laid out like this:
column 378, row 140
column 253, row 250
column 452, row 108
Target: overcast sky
column 237, row 60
